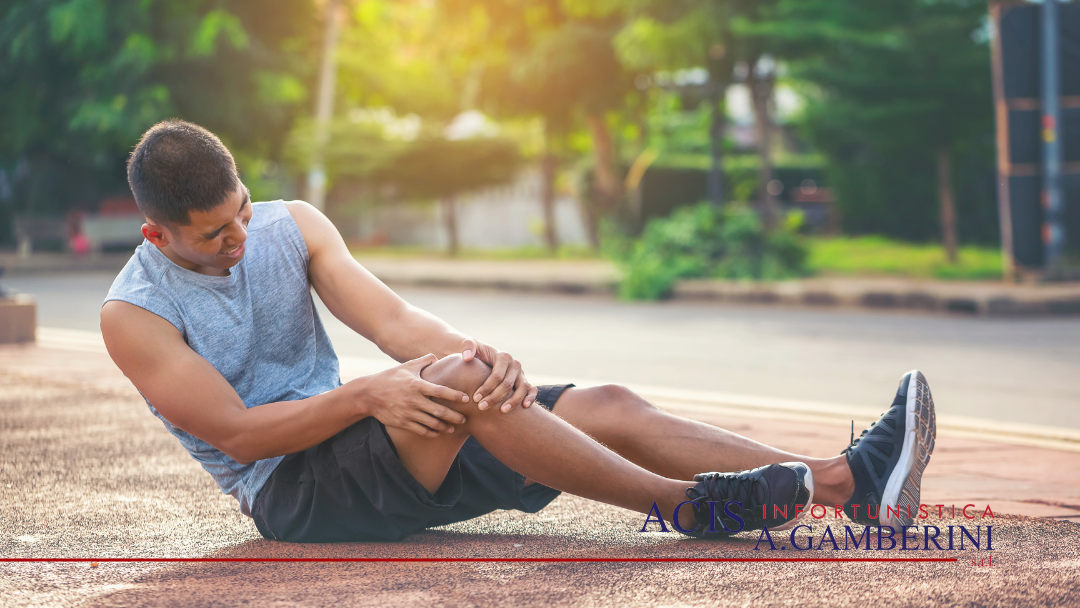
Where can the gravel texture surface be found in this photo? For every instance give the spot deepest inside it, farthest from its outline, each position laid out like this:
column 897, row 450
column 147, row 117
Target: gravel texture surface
column 86, row 471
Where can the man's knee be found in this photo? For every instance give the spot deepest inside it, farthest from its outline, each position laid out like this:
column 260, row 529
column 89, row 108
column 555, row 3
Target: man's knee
column 619, row 400
column 457, row 373
column 609, row 412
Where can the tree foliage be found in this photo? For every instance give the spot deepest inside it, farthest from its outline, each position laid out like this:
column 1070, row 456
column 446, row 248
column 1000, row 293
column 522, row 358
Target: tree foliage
column 82, row 79
column 889, row 84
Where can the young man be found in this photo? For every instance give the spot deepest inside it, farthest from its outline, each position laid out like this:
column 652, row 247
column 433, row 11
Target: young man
column 212, row 320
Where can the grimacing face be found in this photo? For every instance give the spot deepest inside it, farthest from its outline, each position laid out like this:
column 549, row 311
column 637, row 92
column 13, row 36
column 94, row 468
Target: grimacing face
column 212, row 242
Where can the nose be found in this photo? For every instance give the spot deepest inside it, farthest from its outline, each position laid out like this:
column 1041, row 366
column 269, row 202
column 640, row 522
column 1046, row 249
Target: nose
column 237, row 234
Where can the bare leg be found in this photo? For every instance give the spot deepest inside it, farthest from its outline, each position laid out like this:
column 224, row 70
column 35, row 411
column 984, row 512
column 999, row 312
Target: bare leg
column 679, row 448
column 536, row 444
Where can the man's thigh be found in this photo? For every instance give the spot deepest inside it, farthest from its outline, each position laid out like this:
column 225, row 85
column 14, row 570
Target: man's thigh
column 610, row 414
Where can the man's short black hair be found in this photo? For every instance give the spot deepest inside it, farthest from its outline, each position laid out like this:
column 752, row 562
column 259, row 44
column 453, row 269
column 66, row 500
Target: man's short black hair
column 179, row 167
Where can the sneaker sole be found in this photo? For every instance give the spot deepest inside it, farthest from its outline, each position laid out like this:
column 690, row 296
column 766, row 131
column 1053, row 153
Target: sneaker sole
column 903, row 490
column 808, row 481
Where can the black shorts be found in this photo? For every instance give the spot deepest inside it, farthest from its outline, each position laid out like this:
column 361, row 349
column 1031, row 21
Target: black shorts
column 353, row 487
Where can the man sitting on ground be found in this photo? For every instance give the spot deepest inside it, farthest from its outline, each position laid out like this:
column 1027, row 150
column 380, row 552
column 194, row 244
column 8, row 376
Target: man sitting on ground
column 213, row 321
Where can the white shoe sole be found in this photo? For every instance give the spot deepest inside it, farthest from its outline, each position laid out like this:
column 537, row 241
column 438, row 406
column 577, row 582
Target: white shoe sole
column 903, row 490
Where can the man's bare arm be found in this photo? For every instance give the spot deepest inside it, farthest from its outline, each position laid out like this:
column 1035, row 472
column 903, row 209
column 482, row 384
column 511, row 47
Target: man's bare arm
column 370, row 308
column 362, row 301
column 190, row 393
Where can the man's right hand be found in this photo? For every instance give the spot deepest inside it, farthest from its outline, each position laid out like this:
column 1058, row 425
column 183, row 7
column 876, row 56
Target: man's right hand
column 399, row 397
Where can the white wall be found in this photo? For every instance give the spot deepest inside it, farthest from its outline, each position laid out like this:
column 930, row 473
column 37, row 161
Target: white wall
column 496, row 217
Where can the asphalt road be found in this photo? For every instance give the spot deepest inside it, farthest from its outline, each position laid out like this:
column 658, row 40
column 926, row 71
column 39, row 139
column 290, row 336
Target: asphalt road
column 1021, row 370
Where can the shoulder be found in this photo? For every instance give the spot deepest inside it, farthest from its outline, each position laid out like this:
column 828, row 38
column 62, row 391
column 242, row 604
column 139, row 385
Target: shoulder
column 266, row 214
column 318, row 231
column 303, row 212
column 139, row 289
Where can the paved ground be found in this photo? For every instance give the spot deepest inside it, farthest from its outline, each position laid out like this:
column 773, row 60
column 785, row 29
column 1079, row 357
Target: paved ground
column 1011, row 370
column 87, row 471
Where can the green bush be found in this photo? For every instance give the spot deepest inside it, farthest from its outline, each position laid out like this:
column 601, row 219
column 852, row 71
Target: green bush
column 704, row 241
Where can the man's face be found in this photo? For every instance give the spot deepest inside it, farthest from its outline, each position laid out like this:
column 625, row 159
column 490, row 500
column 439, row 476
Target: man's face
column 213, row 241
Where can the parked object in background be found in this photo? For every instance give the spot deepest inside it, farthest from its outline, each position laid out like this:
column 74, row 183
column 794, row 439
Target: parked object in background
column 79, row 244
column 39, row 231
column 118, row 223
column 817, row 206
column 18, row 316
column 103, row 231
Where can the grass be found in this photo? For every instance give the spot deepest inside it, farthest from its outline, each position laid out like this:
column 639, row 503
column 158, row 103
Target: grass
column 874, row 255
column 851, row 256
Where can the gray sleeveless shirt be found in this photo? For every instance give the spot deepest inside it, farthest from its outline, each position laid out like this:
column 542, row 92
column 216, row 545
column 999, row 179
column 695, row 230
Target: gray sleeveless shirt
column 258, row 327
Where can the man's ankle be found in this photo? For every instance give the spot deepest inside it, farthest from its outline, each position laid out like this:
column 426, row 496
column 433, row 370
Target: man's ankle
column 834, row 482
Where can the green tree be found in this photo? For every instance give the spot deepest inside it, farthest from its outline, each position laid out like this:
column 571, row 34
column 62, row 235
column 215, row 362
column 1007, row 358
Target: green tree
column 553, row 59
column 82, row 79
column 441, row 168
column 706, row 33
column 900, row 91
column 411, row 70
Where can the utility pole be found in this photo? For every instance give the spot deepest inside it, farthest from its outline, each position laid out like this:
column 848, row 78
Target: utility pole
column 1053, row 205
column 324, row 109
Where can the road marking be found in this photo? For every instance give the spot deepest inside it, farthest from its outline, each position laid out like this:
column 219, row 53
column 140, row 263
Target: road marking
column 692, row 401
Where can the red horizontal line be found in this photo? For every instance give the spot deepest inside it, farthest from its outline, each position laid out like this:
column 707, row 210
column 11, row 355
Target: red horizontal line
column 475, row 559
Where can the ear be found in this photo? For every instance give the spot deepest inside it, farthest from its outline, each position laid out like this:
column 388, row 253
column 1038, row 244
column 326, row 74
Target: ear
column 156, row 234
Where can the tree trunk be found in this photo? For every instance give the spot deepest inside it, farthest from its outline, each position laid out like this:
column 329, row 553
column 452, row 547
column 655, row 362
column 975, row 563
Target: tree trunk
column 605, row 181
column 449, row 204
column 324, row 108
column 945, row 197
column 761, row 92
column 547, row 193
column 715, row 184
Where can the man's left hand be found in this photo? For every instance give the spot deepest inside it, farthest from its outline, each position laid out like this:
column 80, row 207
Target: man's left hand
column 506, row 384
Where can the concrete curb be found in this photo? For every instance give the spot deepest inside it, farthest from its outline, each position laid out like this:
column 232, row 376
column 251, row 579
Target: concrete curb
column 976, row 297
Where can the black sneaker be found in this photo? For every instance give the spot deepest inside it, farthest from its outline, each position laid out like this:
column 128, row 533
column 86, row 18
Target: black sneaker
column 782, row 486
column 888, row 459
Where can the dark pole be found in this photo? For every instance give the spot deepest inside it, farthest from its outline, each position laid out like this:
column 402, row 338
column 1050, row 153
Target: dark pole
column 1053, row 227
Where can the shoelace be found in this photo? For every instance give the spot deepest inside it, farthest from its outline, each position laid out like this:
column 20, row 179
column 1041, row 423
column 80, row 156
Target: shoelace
column 731, row 487
column 854, row 441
